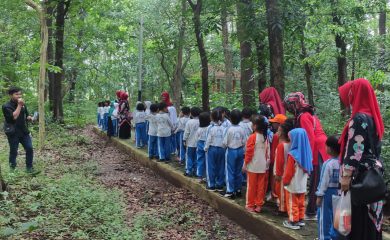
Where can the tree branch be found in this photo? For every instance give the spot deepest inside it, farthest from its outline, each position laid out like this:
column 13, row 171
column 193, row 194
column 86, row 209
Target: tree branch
column 34, row 5
column 193, row 6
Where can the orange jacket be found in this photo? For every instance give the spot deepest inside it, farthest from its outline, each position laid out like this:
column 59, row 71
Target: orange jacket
column 250, row 148
column 289, row 171
column 280, row 159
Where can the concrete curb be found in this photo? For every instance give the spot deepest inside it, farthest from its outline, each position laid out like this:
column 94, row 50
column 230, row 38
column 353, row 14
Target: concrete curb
column 257, row 224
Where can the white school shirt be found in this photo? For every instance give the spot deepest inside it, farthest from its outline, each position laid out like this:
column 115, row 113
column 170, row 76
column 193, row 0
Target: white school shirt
column 261, row 157
column 298, row 182
column 106, row 109
column 329, row 176
column 246, row 124
column 234, row 137
column 173, row 116
column 139, row 117
column 152, row 118
column 114, row 115
column 164, row 125
column 190, row 132
column 181, row 124
column 201, row 134
column 226, row 123
column 214, row 136
column 101, row 112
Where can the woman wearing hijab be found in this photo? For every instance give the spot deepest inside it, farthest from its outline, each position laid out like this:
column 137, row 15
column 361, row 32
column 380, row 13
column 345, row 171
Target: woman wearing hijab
column 124, row 117
column 172, row 115
column 270, row 103
column 305, row 118
column 361, row 139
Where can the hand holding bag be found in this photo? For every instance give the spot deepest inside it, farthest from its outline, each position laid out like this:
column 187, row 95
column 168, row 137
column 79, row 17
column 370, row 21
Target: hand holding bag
column 342, row 218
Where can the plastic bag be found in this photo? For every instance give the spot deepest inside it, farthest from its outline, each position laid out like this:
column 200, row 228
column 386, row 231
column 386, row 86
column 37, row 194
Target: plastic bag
column 342, row 214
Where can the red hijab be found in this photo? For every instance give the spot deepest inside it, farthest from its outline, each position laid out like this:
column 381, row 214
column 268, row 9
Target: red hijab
column 124, row 96
column 361, row 96
column 271, row 96
column 165, row 98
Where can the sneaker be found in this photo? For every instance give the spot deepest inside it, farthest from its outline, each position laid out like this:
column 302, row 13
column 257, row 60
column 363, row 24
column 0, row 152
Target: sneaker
column 32, row 171
column 291, row 225
column 258, row 209
column 250, row 209
column 310, row 218
column 229, row 195
column 220, row 189
column 187, row 174
column 168, row 161
column 160, row 160
column 301, row 223
column 211, row 189
column 268, row 197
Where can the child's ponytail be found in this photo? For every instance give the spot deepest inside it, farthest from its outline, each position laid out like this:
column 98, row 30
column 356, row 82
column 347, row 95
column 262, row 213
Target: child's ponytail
column 261, row 125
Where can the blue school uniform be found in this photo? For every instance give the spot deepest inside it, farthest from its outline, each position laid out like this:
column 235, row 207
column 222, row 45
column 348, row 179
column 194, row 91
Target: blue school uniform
column 327, row 187
column 215, row 156
column 200, row 153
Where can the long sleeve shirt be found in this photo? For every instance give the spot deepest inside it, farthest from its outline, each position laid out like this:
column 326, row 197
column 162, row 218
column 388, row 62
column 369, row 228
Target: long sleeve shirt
column 226, row 123
column 316, row 135
column 201, row 134
column 139, row 117
column 329, row 176
column 173, row 116
column 257, row 154
column 294, row 177
column 246, row 124
column 235, row 137
column 152, row 118
column 190, row 132
column 281, row 154
column 181, row 124
column 164, row 125
column 214, row 136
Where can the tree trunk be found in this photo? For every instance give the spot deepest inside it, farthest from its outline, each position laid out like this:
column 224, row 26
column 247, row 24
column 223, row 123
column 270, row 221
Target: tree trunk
column 58, row 113
column 307, row 67
column 41, row 9
column 275, row 38
column 261, row 64
column 177, row 76
column 227, row 49
column 341, row 57
column 382, row 34
column 197, row 9
column 50, row 51
column 244, row 13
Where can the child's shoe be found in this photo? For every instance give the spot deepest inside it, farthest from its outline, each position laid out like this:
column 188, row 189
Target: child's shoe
column 301, row 223
column 229, row 195
column 211, row 189
column 238, row 193
column 250, row 209
column 291, row 225
column 258, row 209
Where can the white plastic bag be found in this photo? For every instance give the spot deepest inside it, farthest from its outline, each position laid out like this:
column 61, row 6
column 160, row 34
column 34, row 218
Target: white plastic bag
column 342, row 217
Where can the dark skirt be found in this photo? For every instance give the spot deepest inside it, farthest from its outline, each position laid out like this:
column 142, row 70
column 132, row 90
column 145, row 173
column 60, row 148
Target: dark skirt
column 363, row 228
column 125, row 130
column 110, row 127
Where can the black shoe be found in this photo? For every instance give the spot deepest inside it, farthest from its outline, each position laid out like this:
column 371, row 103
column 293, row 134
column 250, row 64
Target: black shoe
column 211, row 189
column 238, row 193
column 160, row 160
column 187, row 174
column 229, row 195
column 32, row 171
column 219, row 189
column 168, row 161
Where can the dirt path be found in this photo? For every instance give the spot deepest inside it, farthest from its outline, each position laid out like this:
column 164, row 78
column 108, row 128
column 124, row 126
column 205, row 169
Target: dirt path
column 163, row 211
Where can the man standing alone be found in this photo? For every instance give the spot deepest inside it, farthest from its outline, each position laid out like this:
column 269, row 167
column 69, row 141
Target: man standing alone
column 15, row 127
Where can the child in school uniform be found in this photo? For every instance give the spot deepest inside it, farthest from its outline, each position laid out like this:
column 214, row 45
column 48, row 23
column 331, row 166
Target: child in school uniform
column 246, row 122
column 152, row 132
column 256, row 164
column 234, row 140
column 299, row 166
column 275, row 123
column 100, row 114
column 114, row 119
column 164, row 133
column 225, row 120
column 181, row 124
column 147, row 112
column 189, row 140
column 328, row 186
column 215, row 153
column 204, row 122
column 281, row 154
column 106, row 109
column 140, row 126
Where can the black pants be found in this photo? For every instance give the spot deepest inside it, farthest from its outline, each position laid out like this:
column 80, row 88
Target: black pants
column 311, row 208
column 25, row 140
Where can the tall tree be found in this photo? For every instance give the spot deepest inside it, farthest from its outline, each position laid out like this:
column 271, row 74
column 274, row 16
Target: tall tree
column 50, row 4
column 41, row 10
column 61, row 11
column 382, row 34
column 197, row 9
column 227, row 48
column 307, row 66
column 342, row 51
column 245, row 14
column 275, row 38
